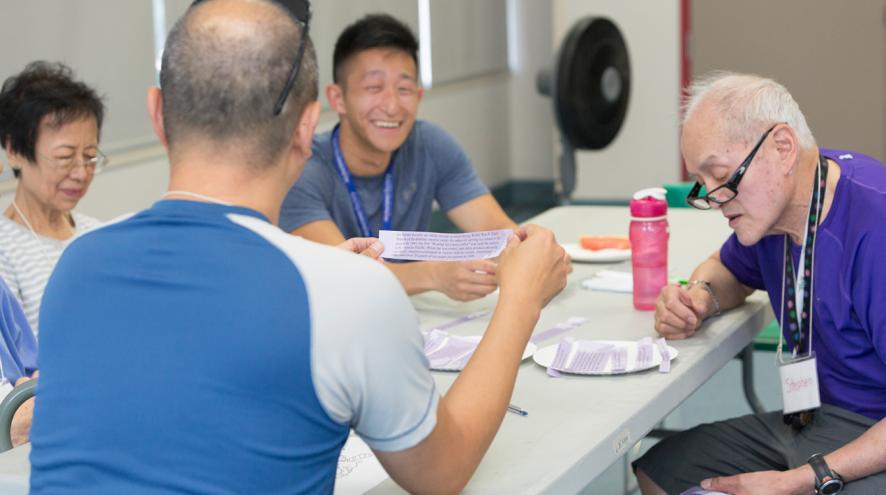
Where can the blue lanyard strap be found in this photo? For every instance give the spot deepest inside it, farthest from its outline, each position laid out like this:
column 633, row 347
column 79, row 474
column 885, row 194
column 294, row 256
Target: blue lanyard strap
column 387, row 190
column 801, row 317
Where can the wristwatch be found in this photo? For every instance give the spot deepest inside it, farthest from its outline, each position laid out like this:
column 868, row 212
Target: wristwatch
column 827, row 482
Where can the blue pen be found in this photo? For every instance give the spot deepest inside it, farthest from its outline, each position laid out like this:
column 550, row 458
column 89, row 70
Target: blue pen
column 516, row 410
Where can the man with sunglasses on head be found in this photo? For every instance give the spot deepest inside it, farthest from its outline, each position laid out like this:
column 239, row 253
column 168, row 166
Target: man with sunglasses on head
column 381, row 169
column 808, row 229
column 195, row 347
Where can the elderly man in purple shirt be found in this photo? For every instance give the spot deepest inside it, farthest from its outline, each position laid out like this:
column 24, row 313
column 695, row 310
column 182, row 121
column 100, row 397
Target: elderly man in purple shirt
column 809, row 229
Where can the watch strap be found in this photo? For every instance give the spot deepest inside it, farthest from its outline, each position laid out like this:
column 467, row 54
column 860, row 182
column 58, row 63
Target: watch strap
column 821, row 469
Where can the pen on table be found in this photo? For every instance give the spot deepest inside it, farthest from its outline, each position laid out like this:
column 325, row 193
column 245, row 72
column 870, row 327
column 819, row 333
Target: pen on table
column 517, row 410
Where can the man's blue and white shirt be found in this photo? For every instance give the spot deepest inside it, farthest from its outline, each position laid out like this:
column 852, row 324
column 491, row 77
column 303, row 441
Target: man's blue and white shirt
column 196, row 348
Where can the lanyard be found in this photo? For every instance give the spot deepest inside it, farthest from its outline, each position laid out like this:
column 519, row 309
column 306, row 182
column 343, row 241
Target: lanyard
column 798, row 309
column 356, row 203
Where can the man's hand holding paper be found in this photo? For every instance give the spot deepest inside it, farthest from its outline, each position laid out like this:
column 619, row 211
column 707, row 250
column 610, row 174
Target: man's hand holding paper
column 367, row 246
column 466, row 280
column 460, row 264
column 533, row 266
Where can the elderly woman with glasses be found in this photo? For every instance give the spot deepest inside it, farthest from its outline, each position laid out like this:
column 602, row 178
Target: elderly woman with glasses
column 49, row 129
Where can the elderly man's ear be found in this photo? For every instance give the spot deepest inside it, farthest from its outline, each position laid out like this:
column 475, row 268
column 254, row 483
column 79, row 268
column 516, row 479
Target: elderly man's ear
column 155, row 112
column 787, row 146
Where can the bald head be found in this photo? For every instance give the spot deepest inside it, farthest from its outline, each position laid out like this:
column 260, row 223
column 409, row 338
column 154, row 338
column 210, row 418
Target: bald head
column 224, row 65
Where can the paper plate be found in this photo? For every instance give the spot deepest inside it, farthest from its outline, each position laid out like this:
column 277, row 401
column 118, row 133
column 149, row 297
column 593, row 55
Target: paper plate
column 527, row 352
column 581, row 255
column 545, row 356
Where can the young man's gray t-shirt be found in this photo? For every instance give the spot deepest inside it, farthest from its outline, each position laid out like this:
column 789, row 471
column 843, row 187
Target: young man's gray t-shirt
column 429, row 165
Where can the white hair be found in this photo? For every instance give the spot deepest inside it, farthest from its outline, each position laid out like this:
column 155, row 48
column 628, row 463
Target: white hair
column 747, row 103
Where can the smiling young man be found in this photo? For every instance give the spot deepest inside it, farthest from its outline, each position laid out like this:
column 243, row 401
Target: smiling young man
column 809, row 230
column 380, row 168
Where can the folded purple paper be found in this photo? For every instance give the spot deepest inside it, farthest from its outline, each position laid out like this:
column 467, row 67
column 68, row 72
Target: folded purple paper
column 665, row 366
column 580, row 357
column 461, row 319
column 619, row 359
column 448, row 352
column 644, row 353
column 599, row 357
column 559, row 329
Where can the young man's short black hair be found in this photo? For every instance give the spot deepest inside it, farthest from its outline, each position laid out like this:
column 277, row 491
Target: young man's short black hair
column 372, row 31
column 41, row 90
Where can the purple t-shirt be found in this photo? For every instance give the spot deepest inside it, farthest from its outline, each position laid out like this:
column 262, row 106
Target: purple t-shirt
column 849, row 307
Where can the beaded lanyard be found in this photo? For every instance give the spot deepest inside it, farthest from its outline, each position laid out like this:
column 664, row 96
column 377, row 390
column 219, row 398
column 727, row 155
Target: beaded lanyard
column 800, row 315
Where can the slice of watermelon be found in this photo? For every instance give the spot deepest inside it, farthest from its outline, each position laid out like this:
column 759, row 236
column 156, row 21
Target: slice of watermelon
column 598, row 242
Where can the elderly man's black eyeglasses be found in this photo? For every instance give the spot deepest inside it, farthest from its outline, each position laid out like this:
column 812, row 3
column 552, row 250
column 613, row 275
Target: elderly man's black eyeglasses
column 301, row 11
column 728, row 191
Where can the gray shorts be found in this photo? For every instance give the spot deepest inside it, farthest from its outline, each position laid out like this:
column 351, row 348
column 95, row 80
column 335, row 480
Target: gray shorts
column 754, row 443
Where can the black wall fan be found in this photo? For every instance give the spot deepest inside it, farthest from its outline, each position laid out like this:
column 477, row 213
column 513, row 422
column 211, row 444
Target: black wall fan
column 589, row 85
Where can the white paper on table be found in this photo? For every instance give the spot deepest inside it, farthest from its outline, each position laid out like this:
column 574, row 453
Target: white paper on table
column 358, row 469
column 433, row 246
column 610, row 281
column 644, row 352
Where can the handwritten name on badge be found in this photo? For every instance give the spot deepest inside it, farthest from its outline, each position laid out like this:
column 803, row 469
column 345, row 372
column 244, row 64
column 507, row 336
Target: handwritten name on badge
column 799, row 386
column 792, row 386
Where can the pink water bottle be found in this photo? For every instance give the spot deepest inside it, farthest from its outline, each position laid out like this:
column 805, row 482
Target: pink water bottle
column 649, row 245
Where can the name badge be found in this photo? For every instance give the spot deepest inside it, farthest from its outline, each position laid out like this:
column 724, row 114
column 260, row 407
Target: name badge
column 799, row 385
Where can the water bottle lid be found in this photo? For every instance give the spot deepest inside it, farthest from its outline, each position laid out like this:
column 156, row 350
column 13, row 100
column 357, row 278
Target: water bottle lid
column 649, row 203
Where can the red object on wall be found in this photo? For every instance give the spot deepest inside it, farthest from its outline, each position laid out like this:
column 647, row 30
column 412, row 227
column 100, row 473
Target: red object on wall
column 685, row 63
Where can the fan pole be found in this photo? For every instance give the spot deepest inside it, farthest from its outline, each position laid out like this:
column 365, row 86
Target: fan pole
column 567, row 170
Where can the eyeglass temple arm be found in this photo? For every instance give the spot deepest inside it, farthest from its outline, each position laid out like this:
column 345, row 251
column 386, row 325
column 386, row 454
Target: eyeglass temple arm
column 293, row 74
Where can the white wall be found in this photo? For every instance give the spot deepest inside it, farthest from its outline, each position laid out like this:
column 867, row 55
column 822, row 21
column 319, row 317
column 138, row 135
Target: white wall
column 504, row 126
column 476, row 113
column 531, row 116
